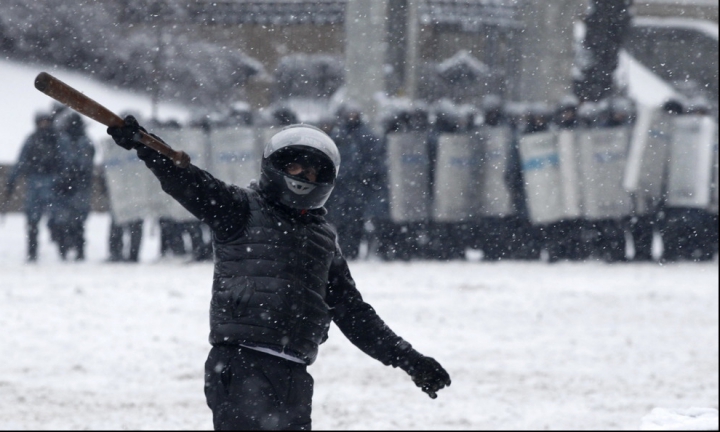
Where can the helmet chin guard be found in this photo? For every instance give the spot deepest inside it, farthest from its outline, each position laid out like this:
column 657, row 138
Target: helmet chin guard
column 300, row 188
column 306, row 145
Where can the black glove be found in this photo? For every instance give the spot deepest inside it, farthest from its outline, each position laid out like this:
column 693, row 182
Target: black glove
column 427, row 374
column 127, row 136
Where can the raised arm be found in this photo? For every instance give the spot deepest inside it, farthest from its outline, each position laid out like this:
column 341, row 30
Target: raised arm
column 223, row 207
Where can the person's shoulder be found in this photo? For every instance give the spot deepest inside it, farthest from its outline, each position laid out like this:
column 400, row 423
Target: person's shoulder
column 31, row 139
column 242, row 192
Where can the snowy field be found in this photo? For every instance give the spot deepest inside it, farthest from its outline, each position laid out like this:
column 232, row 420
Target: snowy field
column 94, row 345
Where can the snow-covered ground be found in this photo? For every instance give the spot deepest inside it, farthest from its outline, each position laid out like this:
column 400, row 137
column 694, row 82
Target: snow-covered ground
column 529, row 345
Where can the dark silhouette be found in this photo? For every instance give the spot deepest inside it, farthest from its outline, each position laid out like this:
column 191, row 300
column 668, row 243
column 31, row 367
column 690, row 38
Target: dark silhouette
column 359, row 180
column 74, row 189
column 40, row 163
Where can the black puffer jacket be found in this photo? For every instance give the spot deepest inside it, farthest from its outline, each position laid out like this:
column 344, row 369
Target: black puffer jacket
column 279, row 276
column 270, row 281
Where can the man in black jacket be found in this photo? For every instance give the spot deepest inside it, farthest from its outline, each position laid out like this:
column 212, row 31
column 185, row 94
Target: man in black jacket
column 280, row 279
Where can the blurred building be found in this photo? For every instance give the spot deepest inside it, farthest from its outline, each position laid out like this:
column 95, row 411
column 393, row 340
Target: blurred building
column 426, row 49
column 415, row 48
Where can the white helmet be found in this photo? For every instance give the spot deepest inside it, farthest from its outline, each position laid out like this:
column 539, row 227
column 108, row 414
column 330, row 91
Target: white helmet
column 307, row 145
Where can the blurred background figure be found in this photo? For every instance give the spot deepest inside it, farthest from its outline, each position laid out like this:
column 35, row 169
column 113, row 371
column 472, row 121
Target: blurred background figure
column 326, row 124
column 284, row 116
column 688, row 228
column 40, row 164
column 495, row 234
column 526, row 239
column 564, row 238
column 605, row 235
column 73, row 187
column 450, row 226
column 171, row 239
column 644, row 226
column 173, row 235
column 611, row 244
column 129, row 233
column 126, row 227
column 359, row 179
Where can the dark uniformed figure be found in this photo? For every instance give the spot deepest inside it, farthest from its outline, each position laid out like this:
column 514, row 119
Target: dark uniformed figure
column 40, row 163
column 496, row 235
column 358, row 147
column 564, row 238
column 280, row 280
column 644, row 226
column 74, row 188
column 130, row 233
column 526, row 239
column 689, row 233
column 610, row 243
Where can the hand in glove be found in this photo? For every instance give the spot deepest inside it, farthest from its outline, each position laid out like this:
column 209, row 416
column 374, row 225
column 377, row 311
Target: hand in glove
column 427, row 374
column 127, row 136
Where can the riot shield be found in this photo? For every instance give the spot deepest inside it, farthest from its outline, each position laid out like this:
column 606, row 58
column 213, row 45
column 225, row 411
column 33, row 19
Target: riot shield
column 236, row 155
column 130, row 184
column 192, row 141
column 263, row 135
column 541, row 170
column 647, row 159
column 603, row 154
column 691, row 161
column 408, row 176
column 456, row 183
column 493, row 196
column 570, row 178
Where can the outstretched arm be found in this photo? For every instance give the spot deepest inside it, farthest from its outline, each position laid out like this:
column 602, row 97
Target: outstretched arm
column 223, row 207
column 365, row 329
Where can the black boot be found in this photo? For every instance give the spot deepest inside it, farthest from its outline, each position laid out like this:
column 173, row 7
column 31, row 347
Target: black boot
column 135, row 229
column 32, row 242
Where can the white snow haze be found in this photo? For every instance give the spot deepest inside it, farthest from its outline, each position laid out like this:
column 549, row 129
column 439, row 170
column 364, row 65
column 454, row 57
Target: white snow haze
column 528, row 345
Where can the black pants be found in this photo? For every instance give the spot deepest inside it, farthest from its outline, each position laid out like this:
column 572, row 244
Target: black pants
column 687, row 234
column 250, row 390
column 565, row 240
column 134, row 229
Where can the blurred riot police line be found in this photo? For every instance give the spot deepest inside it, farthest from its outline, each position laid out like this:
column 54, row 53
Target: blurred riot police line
column 524, row 181
column 672, row 173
